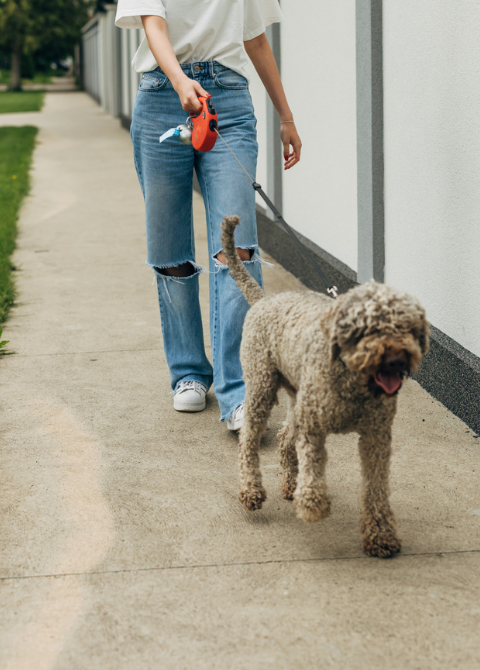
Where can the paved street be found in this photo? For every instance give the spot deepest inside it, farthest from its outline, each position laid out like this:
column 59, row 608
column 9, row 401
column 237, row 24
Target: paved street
column 122, row 543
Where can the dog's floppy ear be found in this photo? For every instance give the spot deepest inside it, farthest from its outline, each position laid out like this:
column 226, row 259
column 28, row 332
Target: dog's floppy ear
column 327, row 324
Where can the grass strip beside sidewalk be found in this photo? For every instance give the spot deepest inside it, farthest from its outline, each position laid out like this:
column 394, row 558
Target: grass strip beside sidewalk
column 16, row 148
column 20, row 101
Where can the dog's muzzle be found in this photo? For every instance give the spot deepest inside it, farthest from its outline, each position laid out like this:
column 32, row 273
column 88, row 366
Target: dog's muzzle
column 390, row 374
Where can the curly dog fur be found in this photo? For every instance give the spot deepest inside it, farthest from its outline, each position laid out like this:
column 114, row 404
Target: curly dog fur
column 342, row 363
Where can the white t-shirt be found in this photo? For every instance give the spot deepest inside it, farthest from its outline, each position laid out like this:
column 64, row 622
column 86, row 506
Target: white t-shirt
column 201, row 30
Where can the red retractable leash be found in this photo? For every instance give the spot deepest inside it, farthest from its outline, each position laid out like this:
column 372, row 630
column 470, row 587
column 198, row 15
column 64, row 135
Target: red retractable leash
column 205, row 125
column 200, row 130
column 203, row 134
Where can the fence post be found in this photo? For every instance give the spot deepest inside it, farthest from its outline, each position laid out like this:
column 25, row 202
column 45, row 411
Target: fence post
column 274, row 148
column 370, row 161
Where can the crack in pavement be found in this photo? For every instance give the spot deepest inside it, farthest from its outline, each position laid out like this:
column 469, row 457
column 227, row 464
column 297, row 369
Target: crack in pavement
column 239, row 564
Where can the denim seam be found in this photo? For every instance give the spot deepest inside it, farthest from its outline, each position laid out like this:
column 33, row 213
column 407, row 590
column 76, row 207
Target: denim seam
column 135, row 162
column 160, row 308
column 215, row 288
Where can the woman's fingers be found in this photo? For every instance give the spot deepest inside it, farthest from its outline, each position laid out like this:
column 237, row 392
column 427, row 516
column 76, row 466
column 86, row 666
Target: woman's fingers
column 192, row 104
column 188, row 92
column 291, row 138
column 294, row 157
column 200, row 90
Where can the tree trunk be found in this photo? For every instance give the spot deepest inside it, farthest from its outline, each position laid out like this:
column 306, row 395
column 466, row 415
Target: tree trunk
column 16, row 71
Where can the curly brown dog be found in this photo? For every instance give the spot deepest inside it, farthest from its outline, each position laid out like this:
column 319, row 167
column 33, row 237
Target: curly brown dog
column 342, row 363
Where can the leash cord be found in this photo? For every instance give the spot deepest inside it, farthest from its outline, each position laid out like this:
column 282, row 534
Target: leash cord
column 331, row 288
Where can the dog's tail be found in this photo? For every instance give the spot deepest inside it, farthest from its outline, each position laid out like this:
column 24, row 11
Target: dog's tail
column 245, row 282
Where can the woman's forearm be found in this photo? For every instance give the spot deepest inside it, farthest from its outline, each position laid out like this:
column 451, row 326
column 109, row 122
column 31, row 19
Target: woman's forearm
column 261, row 55
column 159, row 43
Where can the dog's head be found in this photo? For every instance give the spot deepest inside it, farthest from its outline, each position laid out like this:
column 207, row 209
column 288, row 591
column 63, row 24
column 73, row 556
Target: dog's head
column 378, row 333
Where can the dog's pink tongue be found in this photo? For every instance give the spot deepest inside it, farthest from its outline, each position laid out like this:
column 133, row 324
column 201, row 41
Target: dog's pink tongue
column 389, row 383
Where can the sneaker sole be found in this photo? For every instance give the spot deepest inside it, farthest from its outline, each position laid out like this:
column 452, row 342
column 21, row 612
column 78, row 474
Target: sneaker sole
column 190, row 407
column 234, row 427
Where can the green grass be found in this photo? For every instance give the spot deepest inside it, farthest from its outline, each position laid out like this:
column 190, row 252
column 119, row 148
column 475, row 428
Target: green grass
column 21, row 101
column 39, row 77
column 16, row 148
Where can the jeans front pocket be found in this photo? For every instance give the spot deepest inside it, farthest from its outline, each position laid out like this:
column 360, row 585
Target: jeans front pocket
column 152, row 81
column 230, row 80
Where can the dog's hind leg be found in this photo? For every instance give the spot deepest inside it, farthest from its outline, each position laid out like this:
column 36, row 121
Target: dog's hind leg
column 261, row 395
column 288, row 455
column 377, row 522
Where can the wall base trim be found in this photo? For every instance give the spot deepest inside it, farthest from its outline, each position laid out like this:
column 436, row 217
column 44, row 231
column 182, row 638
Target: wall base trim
column 452, row 375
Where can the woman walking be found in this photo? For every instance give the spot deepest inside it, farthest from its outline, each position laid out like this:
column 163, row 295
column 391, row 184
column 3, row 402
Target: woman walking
column 193, row 48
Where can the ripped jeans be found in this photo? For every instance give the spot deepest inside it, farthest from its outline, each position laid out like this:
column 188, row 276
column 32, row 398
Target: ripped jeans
column 165, row 172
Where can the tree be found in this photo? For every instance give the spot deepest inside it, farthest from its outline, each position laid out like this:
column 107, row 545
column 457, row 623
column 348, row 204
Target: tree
column 28, row 26
column 14, row 22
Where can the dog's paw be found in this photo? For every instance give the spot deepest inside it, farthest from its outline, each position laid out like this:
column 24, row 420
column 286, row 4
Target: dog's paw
column 312, row 504
column 288, row 489
column 382, row 545
column 379, row 535
column 252, row 498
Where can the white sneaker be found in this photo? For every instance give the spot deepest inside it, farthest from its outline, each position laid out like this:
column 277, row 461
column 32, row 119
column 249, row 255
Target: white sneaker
column 236, row 420
column 190, row 397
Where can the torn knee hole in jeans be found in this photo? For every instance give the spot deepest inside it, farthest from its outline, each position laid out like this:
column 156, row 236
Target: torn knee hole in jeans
column 254, row 258
column 180, row 270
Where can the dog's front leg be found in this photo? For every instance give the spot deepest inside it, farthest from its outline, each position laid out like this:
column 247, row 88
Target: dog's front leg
column 251, row 494
column 311, row 499
column 377, row 522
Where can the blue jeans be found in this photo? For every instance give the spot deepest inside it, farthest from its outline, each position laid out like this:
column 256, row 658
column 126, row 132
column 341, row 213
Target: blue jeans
column 165, row 172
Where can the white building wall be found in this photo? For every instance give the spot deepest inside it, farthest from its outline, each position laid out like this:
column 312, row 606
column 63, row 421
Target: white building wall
column 432, row 159
column 319, row 76
column 257, row 91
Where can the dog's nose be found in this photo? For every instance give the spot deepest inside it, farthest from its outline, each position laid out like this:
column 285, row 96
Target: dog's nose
column 395, row 364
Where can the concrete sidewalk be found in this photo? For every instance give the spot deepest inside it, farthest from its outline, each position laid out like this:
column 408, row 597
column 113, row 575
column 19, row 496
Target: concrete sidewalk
column 123, row 545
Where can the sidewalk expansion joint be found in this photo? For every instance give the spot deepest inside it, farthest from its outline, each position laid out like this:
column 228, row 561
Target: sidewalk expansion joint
column 76, row 353
column 286, row 561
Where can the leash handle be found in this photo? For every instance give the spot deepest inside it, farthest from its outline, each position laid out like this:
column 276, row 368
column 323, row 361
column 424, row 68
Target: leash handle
column 205, row 124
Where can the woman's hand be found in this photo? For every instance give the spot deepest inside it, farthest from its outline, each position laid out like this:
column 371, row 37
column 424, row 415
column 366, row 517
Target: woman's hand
column 290, row 137
column 188, row 91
